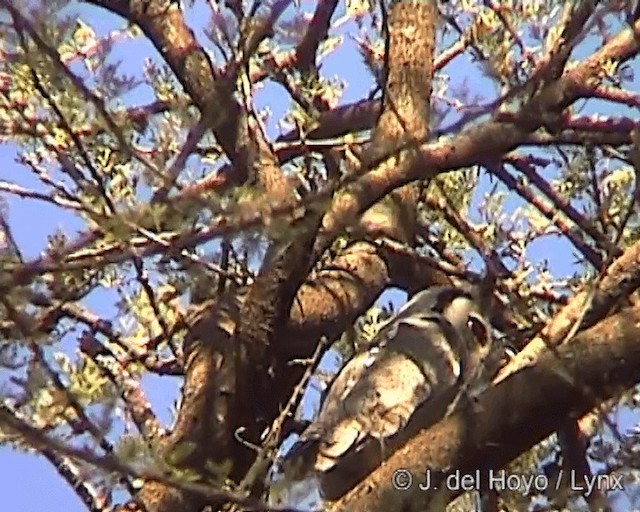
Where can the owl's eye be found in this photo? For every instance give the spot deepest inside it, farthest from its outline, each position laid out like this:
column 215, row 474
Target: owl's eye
column 480, row 330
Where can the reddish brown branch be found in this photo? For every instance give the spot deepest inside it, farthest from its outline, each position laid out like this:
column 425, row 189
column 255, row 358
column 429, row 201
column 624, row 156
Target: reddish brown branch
column 574, row 447
column 129, row 387
column 611, row 94
column 525, row 167
column 549, row 212
column 475, row 143
column 316, row 31
column 334, row 123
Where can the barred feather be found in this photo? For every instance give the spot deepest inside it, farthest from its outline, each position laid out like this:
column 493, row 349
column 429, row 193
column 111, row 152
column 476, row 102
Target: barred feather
column 427, row 349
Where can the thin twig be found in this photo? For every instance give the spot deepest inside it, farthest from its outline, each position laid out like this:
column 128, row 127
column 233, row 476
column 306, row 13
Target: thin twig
column 266, row 455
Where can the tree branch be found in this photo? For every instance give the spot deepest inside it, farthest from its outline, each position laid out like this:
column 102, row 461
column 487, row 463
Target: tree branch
column 511, row 417
column 474, row 144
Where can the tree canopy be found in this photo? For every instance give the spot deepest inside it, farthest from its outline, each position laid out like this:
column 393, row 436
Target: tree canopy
column 239, row 184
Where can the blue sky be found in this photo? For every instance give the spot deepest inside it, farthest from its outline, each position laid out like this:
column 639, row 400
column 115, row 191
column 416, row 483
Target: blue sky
column 29, row 483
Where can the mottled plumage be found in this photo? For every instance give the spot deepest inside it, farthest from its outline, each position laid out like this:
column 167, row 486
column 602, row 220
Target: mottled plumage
column 433, row 345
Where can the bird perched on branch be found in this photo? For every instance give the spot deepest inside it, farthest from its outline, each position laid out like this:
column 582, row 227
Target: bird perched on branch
column 433, row 347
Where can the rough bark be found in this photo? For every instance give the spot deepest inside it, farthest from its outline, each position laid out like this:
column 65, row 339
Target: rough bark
column 405, row 111
column 202, row 424
column 404, row 120
column 263, row 378
column 511, row 417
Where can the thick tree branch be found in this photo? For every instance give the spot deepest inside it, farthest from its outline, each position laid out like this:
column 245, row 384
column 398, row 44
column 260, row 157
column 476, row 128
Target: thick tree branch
column 406, row 106
column 511, row 417
column 236, row 351
column 263, row 379
column 208, row 402
column 259, row 361
column 621, row 279
column 444, row 155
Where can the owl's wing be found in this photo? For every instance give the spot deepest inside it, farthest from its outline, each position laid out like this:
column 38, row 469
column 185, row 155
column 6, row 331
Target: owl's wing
column 302, row 457
column 377, row 392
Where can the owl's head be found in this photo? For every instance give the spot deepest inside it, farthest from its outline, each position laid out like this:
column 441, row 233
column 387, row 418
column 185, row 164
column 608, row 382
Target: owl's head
column 461, row 306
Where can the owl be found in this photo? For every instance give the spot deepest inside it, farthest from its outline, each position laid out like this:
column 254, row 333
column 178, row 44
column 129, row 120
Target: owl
column 423, row 358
